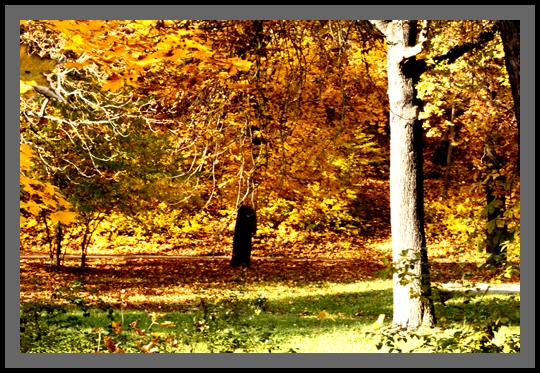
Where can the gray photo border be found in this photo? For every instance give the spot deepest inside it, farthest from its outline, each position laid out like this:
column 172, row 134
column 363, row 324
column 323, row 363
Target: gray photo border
column 524, row 13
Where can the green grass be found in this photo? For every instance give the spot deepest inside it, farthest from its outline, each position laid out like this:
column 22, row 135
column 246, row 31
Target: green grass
column 318, row 318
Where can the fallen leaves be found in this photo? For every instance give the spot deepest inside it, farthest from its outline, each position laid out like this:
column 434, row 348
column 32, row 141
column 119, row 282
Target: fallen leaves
column 105, row 278
column 324, row 315
column 149, row 348
column 380, row 321
column 111, row 346
column 117, row 327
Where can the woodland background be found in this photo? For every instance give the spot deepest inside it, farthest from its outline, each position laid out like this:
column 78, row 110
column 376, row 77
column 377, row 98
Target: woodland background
column 160, row 130
column 478, row 257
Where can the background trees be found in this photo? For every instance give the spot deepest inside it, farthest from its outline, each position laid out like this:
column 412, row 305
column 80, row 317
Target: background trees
column 210, row 120
column 166, row 127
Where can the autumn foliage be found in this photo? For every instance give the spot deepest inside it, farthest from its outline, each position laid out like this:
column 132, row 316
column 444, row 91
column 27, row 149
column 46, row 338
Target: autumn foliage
column 144, row 137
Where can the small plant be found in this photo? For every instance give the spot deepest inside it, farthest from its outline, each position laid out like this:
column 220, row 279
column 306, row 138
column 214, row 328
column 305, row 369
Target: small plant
column 225, row 324
column 473, row 339
column 309, row 317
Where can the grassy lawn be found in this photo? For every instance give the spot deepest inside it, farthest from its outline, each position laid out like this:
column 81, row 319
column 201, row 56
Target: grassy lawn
column 261, row 316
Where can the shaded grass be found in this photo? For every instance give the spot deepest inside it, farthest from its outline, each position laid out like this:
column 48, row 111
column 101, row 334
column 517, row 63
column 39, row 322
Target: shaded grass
column 318, row 316
column 169, row 285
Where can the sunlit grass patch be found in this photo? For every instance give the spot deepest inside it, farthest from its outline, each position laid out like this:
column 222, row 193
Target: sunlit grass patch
column 308, row 318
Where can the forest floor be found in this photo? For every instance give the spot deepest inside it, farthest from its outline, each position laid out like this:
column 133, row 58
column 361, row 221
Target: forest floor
column 151, row 279
column 202, row 260
column 496, row 287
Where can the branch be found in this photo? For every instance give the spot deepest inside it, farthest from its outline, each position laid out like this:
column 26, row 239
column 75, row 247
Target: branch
column 49, row 92
column 456, row 52
column 417, row 48
column 382, row 26
column 459, row 50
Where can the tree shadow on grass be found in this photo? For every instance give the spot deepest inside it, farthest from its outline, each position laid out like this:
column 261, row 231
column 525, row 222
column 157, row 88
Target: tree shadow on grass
column 176, row 284
column 305, row 321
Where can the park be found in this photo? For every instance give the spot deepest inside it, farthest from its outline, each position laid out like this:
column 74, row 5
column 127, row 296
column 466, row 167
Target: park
column 250, row 186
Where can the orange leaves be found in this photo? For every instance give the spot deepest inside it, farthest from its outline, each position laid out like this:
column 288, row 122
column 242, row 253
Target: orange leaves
column 324, row 315
column 113, row 83
column 324, row 119
column 239, row 85
column 172, row 55
column 64, row 217
column 26, row 155
column 144, row 345
column 121, row 47
column 196, row 45
column 167, row 323
column 75, row 65
column 111, row 346
column 133, row 326
column 41, row 196
column 239, row 63
column 117, row 327
column 149, row 348
column 212, row 278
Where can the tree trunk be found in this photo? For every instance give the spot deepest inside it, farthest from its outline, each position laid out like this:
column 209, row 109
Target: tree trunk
column 413, row 305
column 84, row 246
column 451, row 136
column 59, row 237
column 495, row 235
column 510, row 38
column 246, row 225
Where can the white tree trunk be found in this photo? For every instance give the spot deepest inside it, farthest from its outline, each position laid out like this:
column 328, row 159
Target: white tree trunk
column 413, row 306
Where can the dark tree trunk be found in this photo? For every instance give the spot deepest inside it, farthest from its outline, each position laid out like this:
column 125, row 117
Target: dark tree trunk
column 413, row 304
column 84, row 246
column 451, row 136
column 59, row 237
column 49, row 239
column 495, row 199
column 510, row 38
column 246, row 225
column 495, row 235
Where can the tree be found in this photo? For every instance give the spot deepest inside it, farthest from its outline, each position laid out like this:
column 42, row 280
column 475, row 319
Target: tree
column 206, row 95
column 413, row 305
column 497, row 234
column 246, row 225
column 510, row 39
column 476, row 89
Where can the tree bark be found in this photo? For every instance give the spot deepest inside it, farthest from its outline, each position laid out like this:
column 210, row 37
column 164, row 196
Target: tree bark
column 451, row 136
column 406, row 178
column 510, row 38
column 497, row 235
column 59, row 237
column 84, row 246
column 246, row 225
column 413, row 304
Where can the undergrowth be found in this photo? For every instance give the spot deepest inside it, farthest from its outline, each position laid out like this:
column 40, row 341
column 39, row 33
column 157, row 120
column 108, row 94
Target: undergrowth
column 323, row 318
